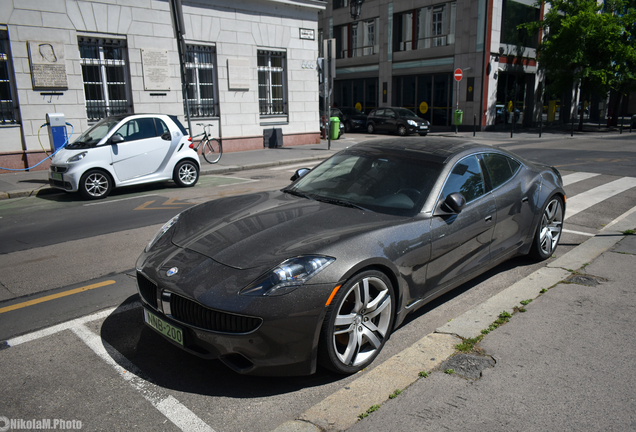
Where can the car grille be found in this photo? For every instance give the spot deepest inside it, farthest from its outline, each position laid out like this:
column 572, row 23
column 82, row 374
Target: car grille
column 189, row 312
column 58, row 169
column 147, row 290
column 192, row 313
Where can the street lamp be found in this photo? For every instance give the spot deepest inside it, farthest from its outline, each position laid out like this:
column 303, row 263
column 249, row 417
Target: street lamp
column 356, row 7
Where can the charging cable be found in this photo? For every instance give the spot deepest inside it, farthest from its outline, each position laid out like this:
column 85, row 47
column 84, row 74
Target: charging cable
column 49, row 156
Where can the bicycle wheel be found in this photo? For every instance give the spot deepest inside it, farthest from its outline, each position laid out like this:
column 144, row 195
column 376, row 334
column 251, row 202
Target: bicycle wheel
column 212, row 150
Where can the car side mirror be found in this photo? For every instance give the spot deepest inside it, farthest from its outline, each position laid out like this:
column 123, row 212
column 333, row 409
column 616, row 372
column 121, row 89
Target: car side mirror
column 453, row 204
column 116, row 139
column 299, row 173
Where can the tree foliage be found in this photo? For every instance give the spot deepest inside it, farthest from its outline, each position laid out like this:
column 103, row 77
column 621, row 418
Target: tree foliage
column 588, row 42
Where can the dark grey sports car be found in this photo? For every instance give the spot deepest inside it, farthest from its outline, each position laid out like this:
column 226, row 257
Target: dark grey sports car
column 324, row 270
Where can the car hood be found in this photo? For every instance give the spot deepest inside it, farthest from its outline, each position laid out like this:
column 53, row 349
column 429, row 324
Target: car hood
column 266, row 228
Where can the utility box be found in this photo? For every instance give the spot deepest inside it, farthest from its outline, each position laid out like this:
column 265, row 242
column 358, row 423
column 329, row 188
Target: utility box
column 273, row 138
column 57, row 130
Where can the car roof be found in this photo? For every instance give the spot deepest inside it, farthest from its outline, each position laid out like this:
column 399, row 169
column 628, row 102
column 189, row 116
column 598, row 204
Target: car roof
column 434, row 149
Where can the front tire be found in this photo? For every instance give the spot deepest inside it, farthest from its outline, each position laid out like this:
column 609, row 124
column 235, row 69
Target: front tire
column 358, row 323
column 548, row 232
column 186, row 173
column 370, row 128
column 95, row 184
column 401, row 130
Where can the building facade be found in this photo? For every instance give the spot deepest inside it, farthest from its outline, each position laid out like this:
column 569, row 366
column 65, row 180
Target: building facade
column 405, row 52
column 249, row 66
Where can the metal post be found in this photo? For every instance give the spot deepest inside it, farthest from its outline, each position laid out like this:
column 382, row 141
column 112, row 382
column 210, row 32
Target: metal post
column 474, row 124
column 328, row 90
column 457, row 108
column 622, row 122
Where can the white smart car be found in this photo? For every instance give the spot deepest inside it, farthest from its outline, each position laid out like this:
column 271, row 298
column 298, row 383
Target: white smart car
column 125, row 150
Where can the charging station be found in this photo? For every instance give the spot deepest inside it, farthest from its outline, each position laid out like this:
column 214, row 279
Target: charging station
column 57, row 130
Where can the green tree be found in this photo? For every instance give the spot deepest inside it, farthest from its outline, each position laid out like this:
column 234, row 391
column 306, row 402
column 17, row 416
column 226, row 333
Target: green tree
column 587, row 42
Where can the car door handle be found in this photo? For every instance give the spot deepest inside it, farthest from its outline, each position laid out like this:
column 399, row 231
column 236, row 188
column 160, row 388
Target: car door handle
column 488, row 218
column 524, row 199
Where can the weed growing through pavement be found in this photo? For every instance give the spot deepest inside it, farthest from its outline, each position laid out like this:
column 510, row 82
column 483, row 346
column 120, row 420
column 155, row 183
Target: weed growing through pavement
column 423, row 374
column 629, row 232
column 449, row 371
column 395, row 394
column 369, row 411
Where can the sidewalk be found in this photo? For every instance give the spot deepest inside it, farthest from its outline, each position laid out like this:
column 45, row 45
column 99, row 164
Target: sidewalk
column 29, row 183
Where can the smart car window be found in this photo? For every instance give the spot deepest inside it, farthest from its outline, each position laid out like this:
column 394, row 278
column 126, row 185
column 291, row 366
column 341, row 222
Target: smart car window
column 161, row 126
column 498, row 168
column 137, row 129
column 466, row 178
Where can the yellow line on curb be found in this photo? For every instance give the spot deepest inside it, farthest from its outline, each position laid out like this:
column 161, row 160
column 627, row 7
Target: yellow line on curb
column 55, row 296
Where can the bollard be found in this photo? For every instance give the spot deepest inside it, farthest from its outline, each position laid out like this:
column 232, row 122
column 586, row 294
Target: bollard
column 475, row 124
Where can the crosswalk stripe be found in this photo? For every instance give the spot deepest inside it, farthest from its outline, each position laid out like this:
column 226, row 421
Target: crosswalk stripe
column 577, row 177
column 584, row 200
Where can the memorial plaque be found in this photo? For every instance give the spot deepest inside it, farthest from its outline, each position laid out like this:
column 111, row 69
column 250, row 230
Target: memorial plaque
column 156, row 69
column 238, row 72
column 48, row 67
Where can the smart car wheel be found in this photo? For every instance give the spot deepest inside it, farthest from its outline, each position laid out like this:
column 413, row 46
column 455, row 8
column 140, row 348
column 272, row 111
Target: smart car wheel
column 95, row 184
column 358, row 323
column 549, row 229
column 186, row 173
column 401, row 130
column 370, row 128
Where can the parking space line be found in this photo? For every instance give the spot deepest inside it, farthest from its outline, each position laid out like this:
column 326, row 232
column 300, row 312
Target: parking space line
column 170, row 407
column 55, row 296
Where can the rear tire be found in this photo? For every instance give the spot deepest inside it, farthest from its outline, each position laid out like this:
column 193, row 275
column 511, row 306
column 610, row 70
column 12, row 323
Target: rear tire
column 357, row 323
column 186, row 173
column 95, row 184
column 212, row 151
column 548, row 232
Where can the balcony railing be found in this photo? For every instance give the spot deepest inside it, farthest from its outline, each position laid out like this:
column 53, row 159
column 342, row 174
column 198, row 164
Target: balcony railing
column 201, row 109
column 7, row 113
column 97, row 110
column 274, row 108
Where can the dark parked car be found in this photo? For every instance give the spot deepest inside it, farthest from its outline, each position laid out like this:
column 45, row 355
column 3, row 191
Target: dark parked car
column 353, row 119
column 401, row 121
column 322, row 271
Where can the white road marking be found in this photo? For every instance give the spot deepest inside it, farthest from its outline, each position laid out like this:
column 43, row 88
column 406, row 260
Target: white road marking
column 578, row 232
column 170, row 407
column 577, row 177
column 587, row 199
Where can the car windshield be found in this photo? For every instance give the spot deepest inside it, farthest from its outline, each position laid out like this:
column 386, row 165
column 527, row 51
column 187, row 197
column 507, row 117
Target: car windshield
column 403, row 112
column 94, row 134
column 381, row 181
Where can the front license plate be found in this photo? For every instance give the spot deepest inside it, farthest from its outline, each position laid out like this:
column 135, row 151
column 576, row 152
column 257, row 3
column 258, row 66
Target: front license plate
column 163, row 327
column 423, row 127
column 56, row 176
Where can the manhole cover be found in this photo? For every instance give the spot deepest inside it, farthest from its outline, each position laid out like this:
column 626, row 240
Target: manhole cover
column 467, row 365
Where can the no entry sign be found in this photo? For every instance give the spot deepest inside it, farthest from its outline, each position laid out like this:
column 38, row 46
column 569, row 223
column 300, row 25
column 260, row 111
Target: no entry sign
column 458, row 74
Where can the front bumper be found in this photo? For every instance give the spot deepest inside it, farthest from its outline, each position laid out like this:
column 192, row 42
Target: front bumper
column 61, row 178
column 251, row 335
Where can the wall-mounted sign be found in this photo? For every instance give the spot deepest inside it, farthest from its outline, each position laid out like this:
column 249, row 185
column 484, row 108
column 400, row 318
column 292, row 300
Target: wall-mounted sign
column 307, row 34
column 238, row 73
column 156, row 69
column 48, row 67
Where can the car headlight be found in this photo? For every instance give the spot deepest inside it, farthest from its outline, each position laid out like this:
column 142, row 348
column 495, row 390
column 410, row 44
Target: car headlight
column 162, row 231
column 412, row 122
column 77, row 157
column 287, row 276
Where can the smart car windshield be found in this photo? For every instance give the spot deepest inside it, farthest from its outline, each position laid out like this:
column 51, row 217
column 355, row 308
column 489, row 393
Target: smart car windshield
column 384, row 182
column 94, row 134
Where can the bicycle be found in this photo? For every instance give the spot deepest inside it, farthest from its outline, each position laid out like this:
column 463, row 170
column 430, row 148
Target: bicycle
column 212, row 148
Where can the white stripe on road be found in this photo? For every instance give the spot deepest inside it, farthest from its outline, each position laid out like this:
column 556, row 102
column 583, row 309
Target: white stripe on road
column 577, row 177
column 578, row 233
column 174, row 411
column 587, row 199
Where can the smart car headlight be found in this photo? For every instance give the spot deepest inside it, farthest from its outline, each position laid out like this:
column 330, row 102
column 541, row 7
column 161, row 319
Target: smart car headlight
column 287, row 276
column 162, row 231
column 77, row 157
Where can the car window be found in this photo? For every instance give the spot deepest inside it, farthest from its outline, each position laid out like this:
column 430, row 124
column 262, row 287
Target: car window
column 389, row 113
column 378, row 113
column 465, row 178
column 386, row 183
column 137, row 129
column 161, row 126
column 499, row 168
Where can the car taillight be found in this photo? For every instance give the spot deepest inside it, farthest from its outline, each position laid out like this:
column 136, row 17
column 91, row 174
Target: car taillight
column 191, row 145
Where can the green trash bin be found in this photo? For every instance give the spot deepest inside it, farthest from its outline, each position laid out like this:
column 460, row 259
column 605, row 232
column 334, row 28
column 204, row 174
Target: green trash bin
column 335, row 128
column 459, row 117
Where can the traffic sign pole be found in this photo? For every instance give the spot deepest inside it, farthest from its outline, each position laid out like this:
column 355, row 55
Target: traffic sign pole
column 458, row 77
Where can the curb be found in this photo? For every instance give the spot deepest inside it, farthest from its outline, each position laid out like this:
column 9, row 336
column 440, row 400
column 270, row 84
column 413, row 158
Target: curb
column 340, row 410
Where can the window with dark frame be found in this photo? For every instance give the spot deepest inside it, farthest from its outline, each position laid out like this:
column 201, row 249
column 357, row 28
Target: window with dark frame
column 8, row 110
column 105, row 76
column 272, row 97
column 201, row 81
